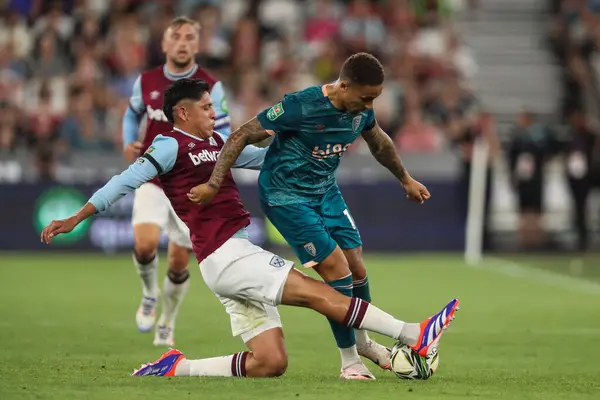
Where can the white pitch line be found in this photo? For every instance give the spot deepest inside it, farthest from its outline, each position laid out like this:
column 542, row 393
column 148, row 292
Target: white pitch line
column 550, row 278
column 452, row 330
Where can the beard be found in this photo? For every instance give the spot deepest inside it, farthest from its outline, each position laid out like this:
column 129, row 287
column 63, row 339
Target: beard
column 182, row 64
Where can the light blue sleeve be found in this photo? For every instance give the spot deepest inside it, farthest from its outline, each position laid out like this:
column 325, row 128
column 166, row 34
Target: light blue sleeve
column 162, row 153
column 252, row 157
column 136, row 101
column 222, row 123
column 133, row 114
column 158, row 159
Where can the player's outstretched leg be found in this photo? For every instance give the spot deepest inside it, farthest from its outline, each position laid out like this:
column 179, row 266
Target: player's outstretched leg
column 366, row 346
column 145, row 259
column 335, row 272
column 303, row 291
column 175, row 287
column 267, row 358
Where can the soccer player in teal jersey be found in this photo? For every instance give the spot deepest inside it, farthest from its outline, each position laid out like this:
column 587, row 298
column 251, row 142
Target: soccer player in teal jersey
column 311, row 130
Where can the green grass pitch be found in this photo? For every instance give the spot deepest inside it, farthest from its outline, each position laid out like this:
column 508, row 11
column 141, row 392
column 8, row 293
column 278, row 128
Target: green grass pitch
column 526, row 330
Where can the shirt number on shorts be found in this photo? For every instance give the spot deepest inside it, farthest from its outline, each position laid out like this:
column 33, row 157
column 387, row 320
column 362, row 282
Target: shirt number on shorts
column 347, row 214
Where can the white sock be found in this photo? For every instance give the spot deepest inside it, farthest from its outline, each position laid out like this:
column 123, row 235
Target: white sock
column 216, row 366
column 363, row 315
column 410, row 333
column 376, row 320
column 148, row 274
column 349, row 356
column 362, row 338
column 173, row 294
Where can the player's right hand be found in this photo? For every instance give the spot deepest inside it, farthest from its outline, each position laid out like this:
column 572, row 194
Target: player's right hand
column 58, row 227
column 202, row 193
column 132, row 151
column 416, row 191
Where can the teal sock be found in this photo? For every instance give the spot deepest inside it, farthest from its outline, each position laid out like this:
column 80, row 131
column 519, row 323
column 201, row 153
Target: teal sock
column 361, row 290
column 344, row 336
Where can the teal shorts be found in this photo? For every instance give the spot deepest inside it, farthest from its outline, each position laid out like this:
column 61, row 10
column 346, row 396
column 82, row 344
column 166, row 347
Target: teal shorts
column 314, row 229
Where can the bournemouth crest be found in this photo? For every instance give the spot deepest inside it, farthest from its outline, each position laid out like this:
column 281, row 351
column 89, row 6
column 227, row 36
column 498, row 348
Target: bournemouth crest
column 310, row 249
column 356, row 123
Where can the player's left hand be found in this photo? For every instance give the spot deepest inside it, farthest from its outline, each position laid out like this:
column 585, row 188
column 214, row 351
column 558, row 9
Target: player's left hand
column 56, row 228
column 416, row 191
column 202, row 193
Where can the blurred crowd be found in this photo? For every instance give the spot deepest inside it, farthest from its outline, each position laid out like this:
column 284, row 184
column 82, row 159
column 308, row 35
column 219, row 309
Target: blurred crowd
column 572, row 139
column 67, row 67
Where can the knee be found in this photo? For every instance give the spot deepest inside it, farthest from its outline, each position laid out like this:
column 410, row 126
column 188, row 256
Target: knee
column 359, row 273
column 275, row 364
column 146, row 239
column 178, row 258
column 334, row 267
column 356, row 264
column 145, row 250
column 178, row 277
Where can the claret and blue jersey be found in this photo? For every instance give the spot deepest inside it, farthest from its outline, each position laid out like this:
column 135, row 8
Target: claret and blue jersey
column 148, row 100
column 164, row 151
column 297, row 183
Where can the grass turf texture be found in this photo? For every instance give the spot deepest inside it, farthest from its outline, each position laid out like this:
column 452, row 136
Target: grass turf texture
column 68, row 331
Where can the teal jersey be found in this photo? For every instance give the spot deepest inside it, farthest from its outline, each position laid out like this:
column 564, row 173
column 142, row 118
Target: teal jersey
column 311, row 135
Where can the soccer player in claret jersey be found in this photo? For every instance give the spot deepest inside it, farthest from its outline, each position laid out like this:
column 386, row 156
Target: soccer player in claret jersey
column 152, row 211
column 249, row 281
column 312, row 129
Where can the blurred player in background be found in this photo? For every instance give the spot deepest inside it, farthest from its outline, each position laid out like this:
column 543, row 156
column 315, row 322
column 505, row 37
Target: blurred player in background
column 152, row 211
column 300, row 196
column 248, row 280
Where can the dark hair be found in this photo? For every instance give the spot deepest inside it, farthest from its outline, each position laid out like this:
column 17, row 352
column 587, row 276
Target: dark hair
column 183, row 89
column 363, row 69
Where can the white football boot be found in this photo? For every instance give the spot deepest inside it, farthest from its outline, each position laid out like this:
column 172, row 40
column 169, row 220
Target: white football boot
column 358, row 371
column 146, row 314
column 377, row 353
column 164, row 336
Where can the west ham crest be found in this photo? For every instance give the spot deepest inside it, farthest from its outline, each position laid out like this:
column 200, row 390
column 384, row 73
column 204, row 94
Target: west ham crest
column 154, row 94
column 310, row 249
column 356, row 123
column 212, row 141
column 277, row 262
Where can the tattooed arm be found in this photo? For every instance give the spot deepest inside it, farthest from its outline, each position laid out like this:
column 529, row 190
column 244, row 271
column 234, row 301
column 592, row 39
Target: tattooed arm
column 249, row 133
column 283, row 117
column 384, row 151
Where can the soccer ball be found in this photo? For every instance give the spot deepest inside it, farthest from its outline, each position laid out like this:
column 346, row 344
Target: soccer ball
column 407, row 364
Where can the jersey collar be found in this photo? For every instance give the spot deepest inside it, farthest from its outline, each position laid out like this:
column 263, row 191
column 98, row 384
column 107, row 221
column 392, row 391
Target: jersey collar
column 188, row 134
column 186, row 74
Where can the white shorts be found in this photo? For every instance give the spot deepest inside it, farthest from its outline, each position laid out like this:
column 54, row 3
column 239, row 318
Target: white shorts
column 151, row 206
column 249, row 281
